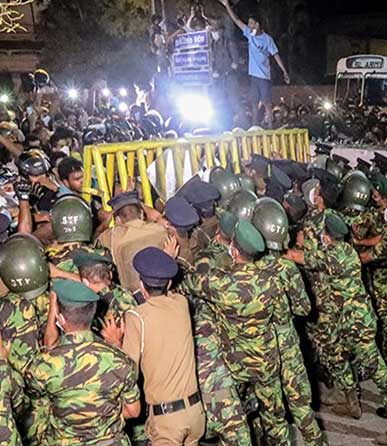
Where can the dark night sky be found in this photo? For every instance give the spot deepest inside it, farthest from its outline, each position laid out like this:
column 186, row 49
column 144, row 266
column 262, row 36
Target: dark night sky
column 329, row 8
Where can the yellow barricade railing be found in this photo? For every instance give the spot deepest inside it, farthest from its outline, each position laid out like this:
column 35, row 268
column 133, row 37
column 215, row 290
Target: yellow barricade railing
column 111, row 163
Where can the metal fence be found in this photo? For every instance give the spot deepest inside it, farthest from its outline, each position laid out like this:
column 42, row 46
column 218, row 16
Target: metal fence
column 110, row 163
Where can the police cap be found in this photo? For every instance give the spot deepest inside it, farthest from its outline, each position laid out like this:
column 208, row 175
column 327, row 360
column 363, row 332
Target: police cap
column 124, row 199
column 154, row 266
column 181, row 214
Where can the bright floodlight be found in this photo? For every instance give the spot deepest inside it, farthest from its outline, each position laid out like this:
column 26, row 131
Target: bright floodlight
column 4, row 98
column 73, row 93
column 123, row 92
column 123, row 107
column 327, row 105
column 195, row 108
column 106, row 92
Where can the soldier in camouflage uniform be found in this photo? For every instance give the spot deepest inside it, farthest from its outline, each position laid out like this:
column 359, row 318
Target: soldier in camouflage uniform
column 378, row 253
column 291, row 301
column 96, row 388
column 11, row 401
column 244, row 301
column 355, row 322
column 224, row 411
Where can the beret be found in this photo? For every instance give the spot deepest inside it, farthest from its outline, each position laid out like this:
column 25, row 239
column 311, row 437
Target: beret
column 74, row 294
column 335, row 226
column 227, row 223
column 83, row 258
column 248, row 238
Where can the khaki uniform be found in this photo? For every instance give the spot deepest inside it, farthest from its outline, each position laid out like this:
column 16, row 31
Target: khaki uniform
column 158, row 337
column 125, row 241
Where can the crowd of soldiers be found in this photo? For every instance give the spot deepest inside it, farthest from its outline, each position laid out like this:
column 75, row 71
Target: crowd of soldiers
column 206, row 318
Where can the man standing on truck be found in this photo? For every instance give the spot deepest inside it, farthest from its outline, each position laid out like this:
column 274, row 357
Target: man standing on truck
column 261, row 47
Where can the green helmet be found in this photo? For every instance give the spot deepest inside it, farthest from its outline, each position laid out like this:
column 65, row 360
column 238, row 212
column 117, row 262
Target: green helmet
column 246, row 182
column 23, row 266
column 335, row 169
column 242, row 204
column 71, row 220
column 356, row 192
column 226, row 182
column 271, row 221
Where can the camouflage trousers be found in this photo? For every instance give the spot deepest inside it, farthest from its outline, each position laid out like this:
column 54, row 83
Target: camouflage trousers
column 380, row 300
column 226, row 418
column 361, row 345
column 296, row 386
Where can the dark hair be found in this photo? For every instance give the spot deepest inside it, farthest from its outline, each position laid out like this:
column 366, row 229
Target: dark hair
column 129, row 212
column 80, row 316
column 60, row 133
column 56, row 156
column 156, row 17
column 67, row 166
column 256, row 18
column 156, row 291
column 97, row 272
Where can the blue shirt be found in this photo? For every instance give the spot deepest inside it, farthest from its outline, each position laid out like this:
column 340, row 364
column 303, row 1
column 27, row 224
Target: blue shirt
column 261, row 47
column 64, row 190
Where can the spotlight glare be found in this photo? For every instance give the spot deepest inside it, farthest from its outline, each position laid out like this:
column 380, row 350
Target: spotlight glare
column 106, row 92
column 72, row 93
column 123, row 107
column 195, row 108
column 123, row 92
column 4, row 98
column 327, row 105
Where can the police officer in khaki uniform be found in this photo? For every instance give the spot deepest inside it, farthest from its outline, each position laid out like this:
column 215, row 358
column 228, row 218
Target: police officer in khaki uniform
column 158, row 337
column 130, row 234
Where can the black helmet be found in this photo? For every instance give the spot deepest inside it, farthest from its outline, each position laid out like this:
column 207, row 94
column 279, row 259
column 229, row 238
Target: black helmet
column 71, row 220
column 335, row 169
column 23, row 266
column 34, row 163
column 356, row 192
column 242, row 204
column 271, row 221
column 42, row 78
column 246, row 182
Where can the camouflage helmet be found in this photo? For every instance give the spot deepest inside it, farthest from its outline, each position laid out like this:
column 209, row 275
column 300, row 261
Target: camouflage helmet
column 23, row 266
column 246, row 182
column 335, row 169
column 242, row 204
column 71, row 220
column 356, row 192
column 226, row 182
column 34, row 163
column 271, row 221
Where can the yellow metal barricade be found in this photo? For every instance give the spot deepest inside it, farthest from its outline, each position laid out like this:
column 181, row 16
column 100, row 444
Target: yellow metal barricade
column 109, row 164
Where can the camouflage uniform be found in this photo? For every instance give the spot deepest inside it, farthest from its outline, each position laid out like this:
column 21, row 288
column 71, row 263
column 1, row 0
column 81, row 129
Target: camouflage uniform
column 353, row 317
column 225, row 415
column 86, row 396
column 319, row 332
column 19, row 327
column 244, row 299
column 292, row 301
column 61, row 255
column 11, row 399
column 115, row 301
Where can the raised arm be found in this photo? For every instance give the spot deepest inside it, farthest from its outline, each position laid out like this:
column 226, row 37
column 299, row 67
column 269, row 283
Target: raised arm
column 232, row 14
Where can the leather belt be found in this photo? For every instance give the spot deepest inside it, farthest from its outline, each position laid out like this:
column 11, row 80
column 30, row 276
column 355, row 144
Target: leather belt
column 175, row 406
